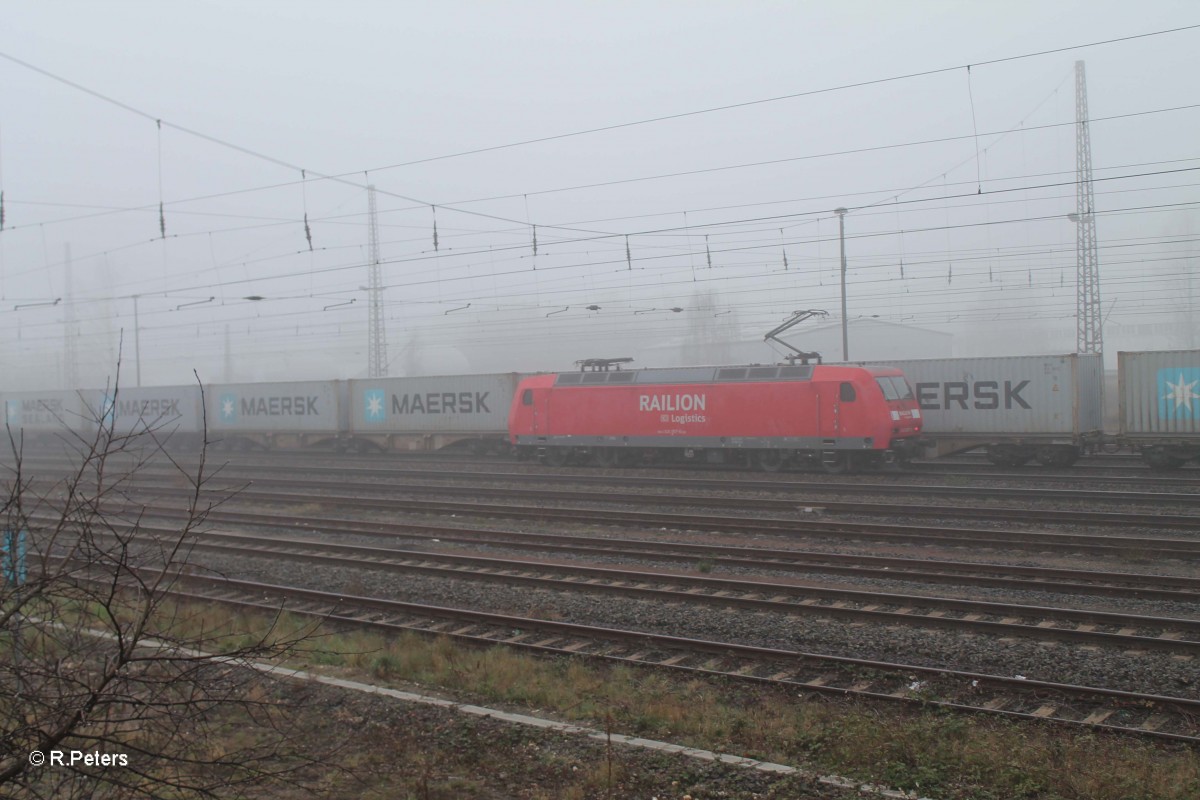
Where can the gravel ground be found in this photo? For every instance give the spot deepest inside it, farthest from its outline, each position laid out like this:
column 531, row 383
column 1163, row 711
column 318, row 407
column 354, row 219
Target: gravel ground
column 1147, row 672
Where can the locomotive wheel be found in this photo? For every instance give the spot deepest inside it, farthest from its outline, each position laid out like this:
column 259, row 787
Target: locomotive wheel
column 770, row 460
column 556, row 456
column 834, row 462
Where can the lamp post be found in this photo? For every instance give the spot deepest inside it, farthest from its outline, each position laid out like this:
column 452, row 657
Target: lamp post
column 841, row 212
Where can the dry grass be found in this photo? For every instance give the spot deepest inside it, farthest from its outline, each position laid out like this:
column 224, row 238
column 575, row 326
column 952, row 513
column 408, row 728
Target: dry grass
column 937, row 754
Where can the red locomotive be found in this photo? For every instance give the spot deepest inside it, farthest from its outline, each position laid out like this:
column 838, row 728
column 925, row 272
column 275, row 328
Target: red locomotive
column 838, row 417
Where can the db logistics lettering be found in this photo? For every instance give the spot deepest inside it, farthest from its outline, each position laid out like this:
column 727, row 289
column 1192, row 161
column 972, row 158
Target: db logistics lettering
column 280, row 406
column 981, row 395
column 671, row 402
column 441, row 403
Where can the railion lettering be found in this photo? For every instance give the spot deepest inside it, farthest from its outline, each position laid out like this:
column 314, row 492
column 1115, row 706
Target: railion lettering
column 671, row 402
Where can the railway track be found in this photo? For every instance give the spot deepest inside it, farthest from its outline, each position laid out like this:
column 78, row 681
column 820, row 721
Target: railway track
column 603, row 499
column 400, row 463
column 692, row 482
column 1025, row 578
column 1148, row 715
column 805, row 526
column 1074, row 626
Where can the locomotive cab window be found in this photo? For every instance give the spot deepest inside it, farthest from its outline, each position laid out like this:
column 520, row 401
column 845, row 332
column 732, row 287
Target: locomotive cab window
column 527, row 397
column 889, row 388
column 847, row 393
column 902, row 388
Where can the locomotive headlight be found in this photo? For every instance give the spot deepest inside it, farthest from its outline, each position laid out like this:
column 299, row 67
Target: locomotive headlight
column 916, row 414
column 895, row 416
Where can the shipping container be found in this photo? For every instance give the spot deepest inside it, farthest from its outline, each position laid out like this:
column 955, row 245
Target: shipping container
column 1160, row 405
column 165, row 410
column 49, row 412
column 276, row 415
column 431, row 412
column 1018, row 407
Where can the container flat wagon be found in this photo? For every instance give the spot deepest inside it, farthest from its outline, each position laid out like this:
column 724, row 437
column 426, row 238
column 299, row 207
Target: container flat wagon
column 289, row 415
column 1160, row 405
column 48, row 416
column 430, row 413
column 1018, row 408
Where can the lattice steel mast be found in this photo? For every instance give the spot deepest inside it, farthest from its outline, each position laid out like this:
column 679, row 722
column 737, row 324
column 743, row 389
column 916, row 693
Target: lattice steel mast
column 376, row 338
column 70, row 327
column 1089, row 336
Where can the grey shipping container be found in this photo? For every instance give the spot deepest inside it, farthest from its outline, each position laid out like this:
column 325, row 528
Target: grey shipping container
column 48, row 412
column 1160, row 405
column 1160, row 393
column 302, row 408
column 430, row 412
column 1024, row 401
column 162, row 409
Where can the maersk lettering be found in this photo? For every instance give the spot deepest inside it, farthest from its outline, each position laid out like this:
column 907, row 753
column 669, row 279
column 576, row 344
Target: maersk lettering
column 980, row 395
column 441, row 403
column 671, row 402
column 280, row 406
column 147, row 408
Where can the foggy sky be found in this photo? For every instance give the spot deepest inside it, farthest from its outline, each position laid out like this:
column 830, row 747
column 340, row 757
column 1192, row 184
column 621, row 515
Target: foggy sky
column 957, row 182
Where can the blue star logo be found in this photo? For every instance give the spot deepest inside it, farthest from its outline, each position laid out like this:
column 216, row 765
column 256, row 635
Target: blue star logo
column 108, row 409
column 374, row 405
column 227, row 407
column 1179, row 393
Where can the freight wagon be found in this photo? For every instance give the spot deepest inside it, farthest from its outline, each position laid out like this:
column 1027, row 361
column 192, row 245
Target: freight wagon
column 1160, row 405
column 289, row 415
column 44, row 417
column 170, row 414
column 430, row 413
column 1019, row 408
column 841, row 417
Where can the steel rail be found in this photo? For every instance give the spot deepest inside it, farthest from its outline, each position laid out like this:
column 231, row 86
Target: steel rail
column 1131, row 585
column 1097, row 708
column 1065, row 542
column 752, row 595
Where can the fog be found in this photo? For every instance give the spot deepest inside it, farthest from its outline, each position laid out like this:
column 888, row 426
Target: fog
column 185, row 185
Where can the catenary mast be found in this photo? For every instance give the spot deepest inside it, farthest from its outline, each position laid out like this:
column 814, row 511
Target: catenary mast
column 1088, row 331
column 376, row 338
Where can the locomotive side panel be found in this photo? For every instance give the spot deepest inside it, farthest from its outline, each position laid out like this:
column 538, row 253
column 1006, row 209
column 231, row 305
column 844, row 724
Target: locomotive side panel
column 802, row 408
column 686, row 412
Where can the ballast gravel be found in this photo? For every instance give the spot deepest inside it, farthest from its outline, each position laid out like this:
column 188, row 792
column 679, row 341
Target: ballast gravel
column 1149, row 672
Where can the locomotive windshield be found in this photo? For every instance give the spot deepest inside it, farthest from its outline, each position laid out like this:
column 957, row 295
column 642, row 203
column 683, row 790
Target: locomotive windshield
column 894, row 387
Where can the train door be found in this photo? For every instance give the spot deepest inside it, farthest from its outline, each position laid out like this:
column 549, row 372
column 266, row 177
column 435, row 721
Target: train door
column 831, row 398
column 529, row 408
